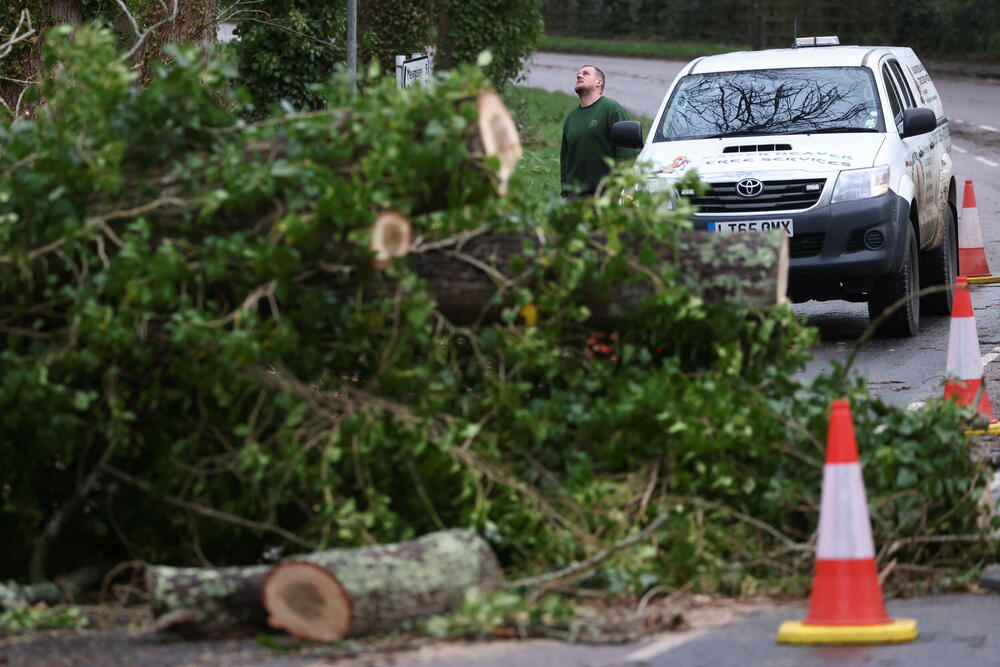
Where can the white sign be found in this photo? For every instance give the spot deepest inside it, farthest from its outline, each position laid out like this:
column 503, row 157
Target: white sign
column 409, row 71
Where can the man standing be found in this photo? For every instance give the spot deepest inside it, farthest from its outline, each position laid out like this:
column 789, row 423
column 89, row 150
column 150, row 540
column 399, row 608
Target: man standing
column 586, row 140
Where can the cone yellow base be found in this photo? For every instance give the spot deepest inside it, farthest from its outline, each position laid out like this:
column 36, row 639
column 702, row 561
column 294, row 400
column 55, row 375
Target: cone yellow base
column 992, row 429
column 797, row 632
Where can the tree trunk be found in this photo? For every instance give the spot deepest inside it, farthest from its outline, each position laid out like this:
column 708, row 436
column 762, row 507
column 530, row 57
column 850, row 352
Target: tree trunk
column 25, row 63
column 387, row 585
column 194, row 23
column 65, row 11
column 745, row 270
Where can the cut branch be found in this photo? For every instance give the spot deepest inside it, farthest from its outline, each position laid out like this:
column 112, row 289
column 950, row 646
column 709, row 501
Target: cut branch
column 391, row 238
column 498, row 135
column 307, row 601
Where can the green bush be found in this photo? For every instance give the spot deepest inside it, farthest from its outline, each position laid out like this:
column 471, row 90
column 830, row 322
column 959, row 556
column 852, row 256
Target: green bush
column 285, row 57
column 509, row 29
column 199, row 362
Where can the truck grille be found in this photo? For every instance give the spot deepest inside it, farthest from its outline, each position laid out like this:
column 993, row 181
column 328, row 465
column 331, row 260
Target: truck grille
column 777, row 196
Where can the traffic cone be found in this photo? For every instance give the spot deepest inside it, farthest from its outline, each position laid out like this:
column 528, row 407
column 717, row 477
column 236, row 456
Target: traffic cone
column 846, row 605
column 971, row 253
column 964, row 367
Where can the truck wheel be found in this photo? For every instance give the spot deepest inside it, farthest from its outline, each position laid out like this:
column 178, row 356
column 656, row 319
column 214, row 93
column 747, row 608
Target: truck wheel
column 904, row 320
column 939, row 267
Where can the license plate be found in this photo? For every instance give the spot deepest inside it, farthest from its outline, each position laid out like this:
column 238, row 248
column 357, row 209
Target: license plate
column 738, row 226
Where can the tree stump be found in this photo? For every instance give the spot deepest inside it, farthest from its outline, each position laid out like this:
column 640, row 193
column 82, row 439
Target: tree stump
column 389, row 585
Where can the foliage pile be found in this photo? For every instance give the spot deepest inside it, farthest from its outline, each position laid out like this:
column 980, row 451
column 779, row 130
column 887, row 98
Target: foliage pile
column 199, row 364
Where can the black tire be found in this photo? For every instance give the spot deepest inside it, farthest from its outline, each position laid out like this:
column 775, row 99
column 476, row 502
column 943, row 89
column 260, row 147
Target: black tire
column 905, row 319
column 940, row 267
column 990, row 577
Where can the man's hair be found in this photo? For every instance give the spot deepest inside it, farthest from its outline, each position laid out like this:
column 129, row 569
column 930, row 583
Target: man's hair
column 600, row 74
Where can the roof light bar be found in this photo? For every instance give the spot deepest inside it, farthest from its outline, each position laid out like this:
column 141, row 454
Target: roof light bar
column 828, row 40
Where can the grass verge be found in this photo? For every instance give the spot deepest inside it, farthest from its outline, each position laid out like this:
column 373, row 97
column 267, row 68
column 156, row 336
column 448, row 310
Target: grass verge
column 631, row 49
column 539, row 115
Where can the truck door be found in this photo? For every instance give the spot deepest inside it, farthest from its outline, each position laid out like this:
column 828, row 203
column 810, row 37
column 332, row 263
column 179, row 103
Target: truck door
column 918, row 154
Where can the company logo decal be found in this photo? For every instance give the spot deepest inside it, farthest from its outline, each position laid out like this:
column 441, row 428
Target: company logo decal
column 749, row 187
column 679, row 163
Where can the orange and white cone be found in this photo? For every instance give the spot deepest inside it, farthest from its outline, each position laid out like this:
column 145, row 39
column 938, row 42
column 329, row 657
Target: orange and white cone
column 964, row 367
column 845, row 606
column 971, row 253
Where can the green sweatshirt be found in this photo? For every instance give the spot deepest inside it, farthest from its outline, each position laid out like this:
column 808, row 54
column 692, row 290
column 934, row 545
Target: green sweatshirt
column 586, row 142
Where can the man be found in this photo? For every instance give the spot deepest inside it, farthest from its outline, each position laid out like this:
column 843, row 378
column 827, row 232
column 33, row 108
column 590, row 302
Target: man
column 586, row 140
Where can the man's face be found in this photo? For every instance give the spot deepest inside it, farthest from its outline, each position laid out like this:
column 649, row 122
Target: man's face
column 586, row 80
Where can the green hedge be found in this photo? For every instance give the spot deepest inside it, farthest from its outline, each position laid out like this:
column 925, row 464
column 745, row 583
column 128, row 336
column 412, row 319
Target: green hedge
column 932, row 27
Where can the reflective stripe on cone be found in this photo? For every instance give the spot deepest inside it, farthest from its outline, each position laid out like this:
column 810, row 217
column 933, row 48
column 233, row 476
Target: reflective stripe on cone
column 964, row 367
column 971, row 253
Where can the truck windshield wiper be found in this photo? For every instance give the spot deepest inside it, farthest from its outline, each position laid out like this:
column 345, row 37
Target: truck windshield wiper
column 835, row 130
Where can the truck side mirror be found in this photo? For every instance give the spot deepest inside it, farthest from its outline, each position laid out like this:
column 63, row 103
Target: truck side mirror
column 627, row 134
column 915, row 121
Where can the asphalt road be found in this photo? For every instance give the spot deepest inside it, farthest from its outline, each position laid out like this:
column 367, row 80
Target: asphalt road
column 955, row 630
column 902, row 371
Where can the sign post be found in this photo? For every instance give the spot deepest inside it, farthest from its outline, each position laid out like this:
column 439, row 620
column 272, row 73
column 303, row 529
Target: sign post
column 412, row 69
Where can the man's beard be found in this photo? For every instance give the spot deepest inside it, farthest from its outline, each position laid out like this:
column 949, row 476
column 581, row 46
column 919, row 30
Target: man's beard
column 581, row 88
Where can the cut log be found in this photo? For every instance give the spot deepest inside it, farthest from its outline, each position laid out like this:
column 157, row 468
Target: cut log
column 64, row 589
column 391, row 237
column 307, row 601
column 744, row 270
column 498, row 135
column 389, row 585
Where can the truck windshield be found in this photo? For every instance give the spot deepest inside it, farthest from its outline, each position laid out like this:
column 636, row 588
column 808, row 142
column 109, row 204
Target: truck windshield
column 772, row 101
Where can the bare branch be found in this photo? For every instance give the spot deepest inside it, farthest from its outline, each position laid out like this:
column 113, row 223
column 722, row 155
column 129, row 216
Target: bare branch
column 17, row 35
column 143, row 35
column 101, row 223
column 592, row 562
column 131, row 19
column 208, row 511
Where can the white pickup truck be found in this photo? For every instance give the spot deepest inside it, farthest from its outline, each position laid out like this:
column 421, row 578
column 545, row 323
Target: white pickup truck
column 844, row 148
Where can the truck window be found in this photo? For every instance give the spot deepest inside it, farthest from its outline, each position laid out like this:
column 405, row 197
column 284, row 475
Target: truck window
column 797, row 100
column 903, row 84
column 890, row 90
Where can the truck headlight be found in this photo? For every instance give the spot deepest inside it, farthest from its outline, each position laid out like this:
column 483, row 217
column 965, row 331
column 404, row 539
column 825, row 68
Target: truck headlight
column 854, row 184
column 657, row 184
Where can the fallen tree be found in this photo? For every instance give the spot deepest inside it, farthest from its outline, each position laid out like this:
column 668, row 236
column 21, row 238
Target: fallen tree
column 354, row 591
column 211, row 348
column 465, row 275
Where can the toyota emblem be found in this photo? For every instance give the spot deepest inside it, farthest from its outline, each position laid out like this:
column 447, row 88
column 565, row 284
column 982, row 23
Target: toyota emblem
column 749, row 187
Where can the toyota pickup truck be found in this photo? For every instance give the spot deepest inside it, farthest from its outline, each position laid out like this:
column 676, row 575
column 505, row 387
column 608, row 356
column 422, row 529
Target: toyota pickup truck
column 846, row 149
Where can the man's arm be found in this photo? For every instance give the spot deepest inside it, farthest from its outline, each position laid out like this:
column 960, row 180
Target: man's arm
column 563, row 164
